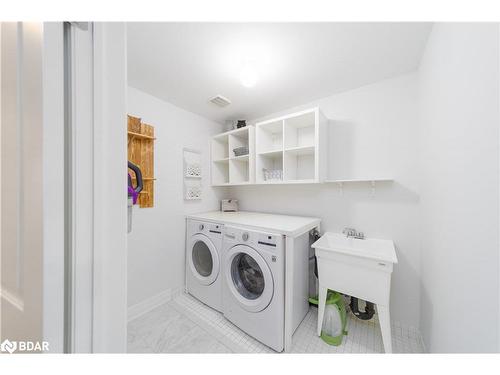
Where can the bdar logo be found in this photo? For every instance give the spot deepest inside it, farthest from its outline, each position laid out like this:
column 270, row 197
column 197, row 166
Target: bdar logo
column 8, row 346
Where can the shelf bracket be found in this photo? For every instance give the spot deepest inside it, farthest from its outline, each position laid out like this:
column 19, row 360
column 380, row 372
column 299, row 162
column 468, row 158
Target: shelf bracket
column 341, row 187
column 373, row 188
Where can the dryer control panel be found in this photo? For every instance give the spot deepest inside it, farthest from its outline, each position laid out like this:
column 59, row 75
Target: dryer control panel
column 215, row 229
column 268, row 240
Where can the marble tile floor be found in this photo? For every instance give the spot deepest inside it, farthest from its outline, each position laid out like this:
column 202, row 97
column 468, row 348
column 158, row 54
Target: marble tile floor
column 185, row 325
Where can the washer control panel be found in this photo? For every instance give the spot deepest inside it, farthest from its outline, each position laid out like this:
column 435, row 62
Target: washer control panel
column 258, row 239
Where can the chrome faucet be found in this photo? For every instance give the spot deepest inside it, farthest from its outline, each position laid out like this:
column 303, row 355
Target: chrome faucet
column 351, row 232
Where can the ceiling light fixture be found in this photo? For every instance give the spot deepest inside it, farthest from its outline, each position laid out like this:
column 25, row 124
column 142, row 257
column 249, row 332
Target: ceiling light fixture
column 248, row 75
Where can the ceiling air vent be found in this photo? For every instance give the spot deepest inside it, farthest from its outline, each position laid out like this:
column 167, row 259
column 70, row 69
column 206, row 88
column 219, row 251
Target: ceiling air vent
column 220, row 101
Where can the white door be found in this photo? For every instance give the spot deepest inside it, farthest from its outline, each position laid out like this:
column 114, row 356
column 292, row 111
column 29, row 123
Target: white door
column 21, row 182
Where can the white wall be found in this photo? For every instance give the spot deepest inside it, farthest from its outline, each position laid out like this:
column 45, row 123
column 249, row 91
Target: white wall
column 459, row 82
column 156, row 244
column 372, row 133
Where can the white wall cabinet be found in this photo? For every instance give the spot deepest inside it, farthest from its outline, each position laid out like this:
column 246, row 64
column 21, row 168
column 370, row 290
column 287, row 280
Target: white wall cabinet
column 291, row 149
column 228, row 168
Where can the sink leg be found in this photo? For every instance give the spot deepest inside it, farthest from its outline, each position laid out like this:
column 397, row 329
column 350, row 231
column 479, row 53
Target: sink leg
column 384, row 318
column 321, row 307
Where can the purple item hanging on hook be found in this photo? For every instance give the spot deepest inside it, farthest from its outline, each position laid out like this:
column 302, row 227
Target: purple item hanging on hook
column 134, row 192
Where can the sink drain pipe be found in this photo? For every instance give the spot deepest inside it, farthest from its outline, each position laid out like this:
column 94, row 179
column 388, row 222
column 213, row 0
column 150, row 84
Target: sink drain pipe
column 363, row 315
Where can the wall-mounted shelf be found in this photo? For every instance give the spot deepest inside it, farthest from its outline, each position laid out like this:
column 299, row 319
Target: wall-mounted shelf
column 241, row 157
column 146, row 178
column 371, row 181
column 355, row 180
column 289, row 149
column 271, row 152
column 301, row 150
column 140, row 136
column 141, row 152
column 227, row 168
column 293, row 147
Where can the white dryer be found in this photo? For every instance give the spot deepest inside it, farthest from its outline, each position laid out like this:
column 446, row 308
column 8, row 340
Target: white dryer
column 254, row 281
column 203, row 262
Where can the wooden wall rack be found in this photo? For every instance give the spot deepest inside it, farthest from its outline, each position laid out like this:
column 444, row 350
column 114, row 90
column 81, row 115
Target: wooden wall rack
column 141, row 152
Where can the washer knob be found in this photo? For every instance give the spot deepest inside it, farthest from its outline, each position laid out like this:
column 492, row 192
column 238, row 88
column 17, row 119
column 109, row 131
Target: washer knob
column 244, row 236
column 202, row 227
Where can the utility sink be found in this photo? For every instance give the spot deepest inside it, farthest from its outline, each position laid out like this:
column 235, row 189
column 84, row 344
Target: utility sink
column 360, row 268
column 382, row 250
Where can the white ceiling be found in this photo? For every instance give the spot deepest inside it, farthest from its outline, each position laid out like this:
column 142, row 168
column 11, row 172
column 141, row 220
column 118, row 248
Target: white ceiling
column 188, row 63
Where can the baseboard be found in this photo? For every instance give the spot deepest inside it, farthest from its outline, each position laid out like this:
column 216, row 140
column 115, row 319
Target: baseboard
column 149, row 304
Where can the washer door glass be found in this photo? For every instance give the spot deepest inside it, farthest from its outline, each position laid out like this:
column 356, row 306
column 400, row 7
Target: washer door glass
column 202, row 259
column 247, row 276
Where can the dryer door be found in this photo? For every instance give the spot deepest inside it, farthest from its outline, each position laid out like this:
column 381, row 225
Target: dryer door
column 249, row 278
column 203, row 259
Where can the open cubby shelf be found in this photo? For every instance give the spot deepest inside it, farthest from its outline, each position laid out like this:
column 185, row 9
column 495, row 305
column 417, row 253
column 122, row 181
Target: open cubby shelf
column 270, row 137
column 227, row 167
column 287, row 150
column 290, row 144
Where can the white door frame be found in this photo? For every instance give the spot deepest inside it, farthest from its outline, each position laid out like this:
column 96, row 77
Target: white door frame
column 110, row 187
column 93, row 243
column 79, row 187
column 99, row 291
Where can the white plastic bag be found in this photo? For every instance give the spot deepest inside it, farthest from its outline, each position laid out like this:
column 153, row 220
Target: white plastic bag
column 332, row 323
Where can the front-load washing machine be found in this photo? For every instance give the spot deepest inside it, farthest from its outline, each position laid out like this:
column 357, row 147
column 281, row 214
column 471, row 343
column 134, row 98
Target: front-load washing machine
column 203, row 262
column 254, row 281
